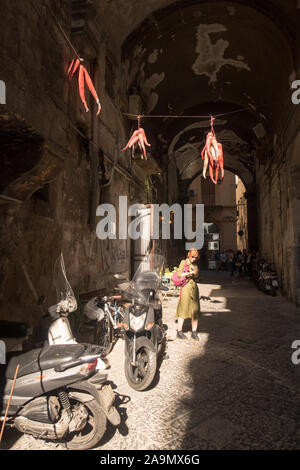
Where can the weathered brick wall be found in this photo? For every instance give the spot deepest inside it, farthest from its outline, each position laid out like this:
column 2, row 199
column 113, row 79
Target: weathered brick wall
column 33, row 62
column 34, row 57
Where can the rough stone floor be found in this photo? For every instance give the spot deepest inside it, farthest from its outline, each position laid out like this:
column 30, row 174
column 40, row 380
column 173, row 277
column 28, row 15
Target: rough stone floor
column 235, row 389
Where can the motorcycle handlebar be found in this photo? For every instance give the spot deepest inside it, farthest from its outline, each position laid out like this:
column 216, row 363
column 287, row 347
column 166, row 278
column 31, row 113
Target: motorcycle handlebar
column 111, row 297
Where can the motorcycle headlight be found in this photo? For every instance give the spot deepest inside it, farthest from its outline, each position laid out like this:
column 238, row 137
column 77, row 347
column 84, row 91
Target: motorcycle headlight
column 137, row 323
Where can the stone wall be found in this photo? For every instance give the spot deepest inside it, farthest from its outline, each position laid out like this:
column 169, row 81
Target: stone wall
column 49, row 206
column 278, row 196
column 242, row 218
column 222, row 208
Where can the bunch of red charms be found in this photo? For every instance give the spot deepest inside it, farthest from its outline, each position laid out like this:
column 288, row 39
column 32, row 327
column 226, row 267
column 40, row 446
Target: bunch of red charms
column 138, row 137
column 213, row 155
column 83, row 77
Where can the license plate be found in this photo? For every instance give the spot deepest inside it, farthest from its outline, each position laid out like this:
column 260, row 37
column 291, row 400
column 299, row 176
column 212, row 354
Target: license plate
column 274, row 283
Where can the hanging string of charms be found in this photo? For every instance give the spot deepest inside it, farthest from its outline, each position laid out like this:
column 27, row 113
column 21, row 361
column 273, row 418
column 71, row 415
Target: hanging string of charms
column 83, row 77
column 138, row 138
column 212, row 154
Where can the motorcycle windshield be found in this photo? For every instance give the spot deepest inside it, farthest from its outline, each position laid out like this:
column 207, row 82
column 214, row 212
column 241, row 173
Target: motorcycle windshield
column 64, row 292
column 146, row 278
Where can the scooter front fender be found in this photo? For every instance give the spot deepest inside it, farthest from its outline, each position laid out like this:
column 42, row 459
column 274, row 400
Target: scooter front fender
column 141, row 341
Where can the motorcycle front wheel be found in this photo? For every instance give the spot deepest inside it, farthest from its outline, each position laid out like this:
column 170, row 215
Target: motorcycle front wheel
column 140, row 377
column 93, row 431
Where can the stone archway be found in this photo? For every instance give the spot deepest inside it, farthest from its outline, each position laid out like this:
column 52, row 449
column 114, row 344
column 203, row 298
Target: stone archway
column 215, row 71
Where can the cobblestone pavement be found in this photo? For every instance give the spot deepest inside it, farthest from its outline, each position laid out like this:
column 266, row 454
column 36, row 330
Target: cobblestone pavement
column 235, row 389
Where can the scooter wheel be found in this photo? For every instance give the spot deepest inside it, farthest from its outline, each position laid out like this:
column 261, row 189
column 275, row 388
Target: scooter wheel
column 93, row 431
column 141, row 377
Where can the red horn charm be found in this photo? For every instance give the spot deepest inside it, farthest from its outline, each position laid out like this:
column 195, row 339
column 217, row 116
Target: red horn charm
column 212, row 154
column 140, row 138
column 83, row 78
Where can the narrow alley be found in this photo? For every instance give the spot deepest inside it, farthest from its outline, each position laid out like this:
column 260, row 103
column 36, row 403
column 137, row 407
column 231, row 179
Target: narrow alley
column 144, row 143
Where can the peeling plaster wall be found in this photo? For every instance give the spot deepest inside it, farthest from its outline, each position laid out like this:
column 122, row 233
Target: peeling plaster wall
column 211, row 55
column 219, row 63
column 135, row 76
column 121, row 17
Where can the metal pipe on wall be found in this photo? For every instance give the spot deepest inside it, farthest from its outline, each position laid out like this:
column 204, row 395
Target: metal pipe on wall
column 95, row 190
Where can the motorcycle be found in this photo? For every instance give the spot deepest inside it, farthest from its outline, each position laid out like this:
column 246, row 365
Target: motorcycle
column 58, row 393
column 267, row 279
column 144, row 331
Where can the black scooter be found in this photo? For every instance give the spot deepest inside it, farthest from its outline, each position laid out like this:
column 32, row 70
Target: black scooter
column 145, row 333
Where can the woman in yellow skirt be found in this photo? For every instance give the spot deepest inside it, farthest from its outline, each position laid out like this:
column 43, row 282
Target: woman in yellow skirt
column 189, row 303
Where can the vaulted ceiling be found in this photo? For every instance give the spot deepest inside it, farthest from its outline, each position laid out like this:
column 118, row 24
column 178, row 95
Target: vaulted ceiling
column 231, row 59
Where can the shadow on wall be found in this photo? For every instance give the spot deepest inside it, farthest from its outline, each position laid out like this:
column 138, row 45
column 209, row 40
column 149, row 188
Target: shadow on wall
column 242, row 390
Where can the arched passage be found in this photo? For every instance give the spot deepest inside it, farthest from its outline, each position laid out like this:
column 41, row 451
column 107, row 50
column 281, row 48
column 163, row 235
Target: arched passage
column 221, row 210
column 197, row 58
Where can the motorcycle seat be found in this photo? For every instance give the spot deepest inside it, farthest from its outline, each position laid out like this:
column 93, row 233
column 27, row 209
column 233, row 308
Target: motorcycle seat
column 42, row 359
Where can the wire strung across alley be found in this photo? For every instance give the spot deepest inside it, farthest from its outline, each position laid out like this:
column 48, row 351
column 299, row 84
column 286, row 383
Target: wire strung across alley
column 249, row 108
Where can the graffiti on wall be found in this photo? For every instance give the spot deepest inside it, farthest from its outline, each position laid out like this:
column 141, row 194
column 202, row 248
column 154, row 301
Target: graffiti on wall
column 113, row 255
